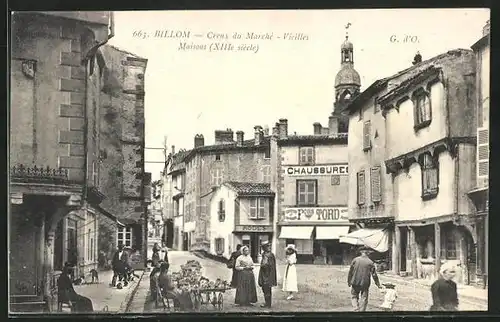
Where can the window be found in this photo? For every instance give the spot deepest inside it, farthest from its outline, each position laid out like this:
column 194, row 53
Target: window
column 222, row 210
column 367, row 128
column 89, row 248
column 266, row 174
column 257, row 208
column 219, row 246
column 375, row 184
column 451, row 245
column 125, row 236
column 267, row 152
column 306, row 155
column 430, row 177
column 217, row 157
column 216, row 177
column 422, row 110
column 306, row 192
column 335, row 180
column 376, row 105
column 176, row 209
column 95, row 173
column 361, row 187
column 483, row 153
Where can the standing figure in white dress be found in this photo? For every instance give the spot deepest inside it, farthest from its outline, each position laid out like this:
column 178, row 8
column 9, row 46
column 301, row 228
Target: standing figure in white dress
column 290, row 276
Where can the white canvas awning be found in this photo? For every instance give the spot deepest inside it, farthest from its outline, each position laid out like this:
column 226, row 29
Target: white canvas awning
column 331, row 232
column 375, row 238
column 296, row 232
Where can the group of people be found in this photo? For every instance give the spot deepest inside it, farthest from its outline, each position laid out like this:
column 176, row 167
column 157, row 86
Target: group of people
column 362, row 270
column 243, row 278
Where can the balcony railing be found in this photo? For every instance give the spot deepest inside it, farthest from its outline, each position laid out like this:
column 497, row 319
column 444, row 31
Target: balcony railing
column 21, row 173
column 371, row 212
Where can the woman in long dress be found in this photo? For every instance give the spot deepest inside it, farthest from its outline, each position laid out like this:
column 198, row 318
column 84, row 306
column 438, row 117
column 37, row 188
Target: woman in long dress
column 290, row 277
column 246, row 291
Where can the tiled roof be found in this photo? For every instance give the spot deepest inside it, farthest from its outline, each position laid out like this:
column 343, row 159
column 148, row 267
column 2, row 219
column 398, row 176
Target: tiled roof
column 340, row 138
column 381, row 83
column 250, row 188
column 177, row 160
column 408, row 83
column 247, row 145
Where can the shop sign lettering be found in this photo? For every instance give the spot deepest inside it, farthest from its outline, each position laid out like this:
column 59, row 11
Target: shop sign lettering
column 316, row 214
column 317, row 170
column 254, row 228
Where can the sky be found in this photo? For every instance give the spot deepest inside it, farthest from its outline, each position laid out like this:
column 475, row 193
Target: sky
column 200, row 91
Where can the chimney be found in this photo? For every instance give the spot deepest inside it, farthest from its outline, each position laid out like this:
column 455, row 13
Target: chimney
column 224, row 136
column 258, row 134
column 283, row 126
column 276, row 130
column 333, row 125
column 317, row 128
column 417, row 59
column 239, row 138
column 266, row 130
column 486, row 28
column 173, row 149
column 199, row 140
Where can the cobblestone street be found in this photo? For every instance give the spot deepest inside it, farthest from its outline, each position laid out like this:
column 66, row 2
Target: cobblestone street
column 321, row 288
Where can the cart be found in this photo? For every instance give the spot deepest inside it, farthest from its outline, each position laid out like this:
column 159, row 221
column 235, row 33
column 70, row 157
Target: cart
column 208, row 296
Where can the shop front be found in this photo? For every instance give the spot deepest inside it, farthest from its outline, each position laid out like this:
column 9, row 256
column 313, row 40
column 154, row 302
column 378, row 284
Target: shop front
column 315, row 232
column 253, row 236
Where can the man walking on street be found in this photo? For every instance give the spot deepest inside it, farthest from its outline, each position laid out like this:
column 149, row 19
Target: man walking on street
column 267, row 273
column 359, row 279
column 120, row 264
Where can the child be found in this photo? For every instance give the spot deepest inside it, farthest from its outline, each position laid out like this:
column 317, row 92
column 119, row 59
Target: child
column 389, row 297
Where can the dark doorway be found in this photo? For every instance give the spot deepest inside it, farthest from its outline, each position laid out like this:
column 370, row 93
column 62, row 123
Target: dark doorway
column 170, row 233
column 185, row 245
column 404, row 246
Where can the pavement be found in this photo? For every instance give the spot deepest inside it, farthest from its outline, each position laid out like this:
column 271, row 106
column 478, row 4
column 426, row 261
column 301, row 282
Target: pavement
column 321, row 288
column 107, row 299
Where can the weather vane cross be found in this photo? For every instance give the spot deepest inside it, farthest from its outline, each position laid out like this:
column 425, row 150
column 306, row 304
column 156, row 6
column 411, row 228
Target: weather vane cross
column 347, row 29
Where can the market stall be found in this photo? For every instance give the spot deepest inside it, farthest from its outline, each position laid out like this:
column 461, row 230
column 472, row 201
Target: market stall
column 201, row 290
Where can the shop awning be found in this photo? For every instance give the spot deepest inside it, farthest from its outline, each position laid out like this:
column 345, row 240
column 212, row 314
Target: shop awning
column 375, row 238
column 331, row 232
column 296, row 232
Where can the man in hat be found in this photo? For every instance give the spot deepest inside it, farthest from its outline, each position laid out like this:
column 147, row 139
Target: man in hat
column 267, row 274
column 120, row 265
column 359, row 279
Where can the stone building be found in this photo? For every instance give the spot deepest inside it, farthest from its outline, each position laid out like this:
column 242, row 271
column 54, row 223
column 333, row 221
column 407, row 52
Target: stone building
column 56, row 70
column 122, row 149
column 310, row 178
column 480, row 194
column 173, row 188
column 241, row 213
column 411, row 143
column 208, row 166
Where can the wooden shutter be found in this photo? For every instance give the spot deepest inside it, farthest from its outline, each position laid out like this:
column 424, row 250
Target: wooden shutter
column 483, row 153
column 361, row 187
column 375, row 178
column 366, row 135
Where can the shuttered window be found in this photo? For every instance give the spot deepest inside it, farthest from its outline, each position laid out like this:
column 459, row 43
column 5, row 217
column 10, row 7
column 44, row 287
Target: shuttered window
column 483, row 153
column 306, row 192
column 361, row 187
column 367, row 144
column 376, row 191
column 222, row 210
column 430, row 177
column 306, row 155
column 219, row 246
